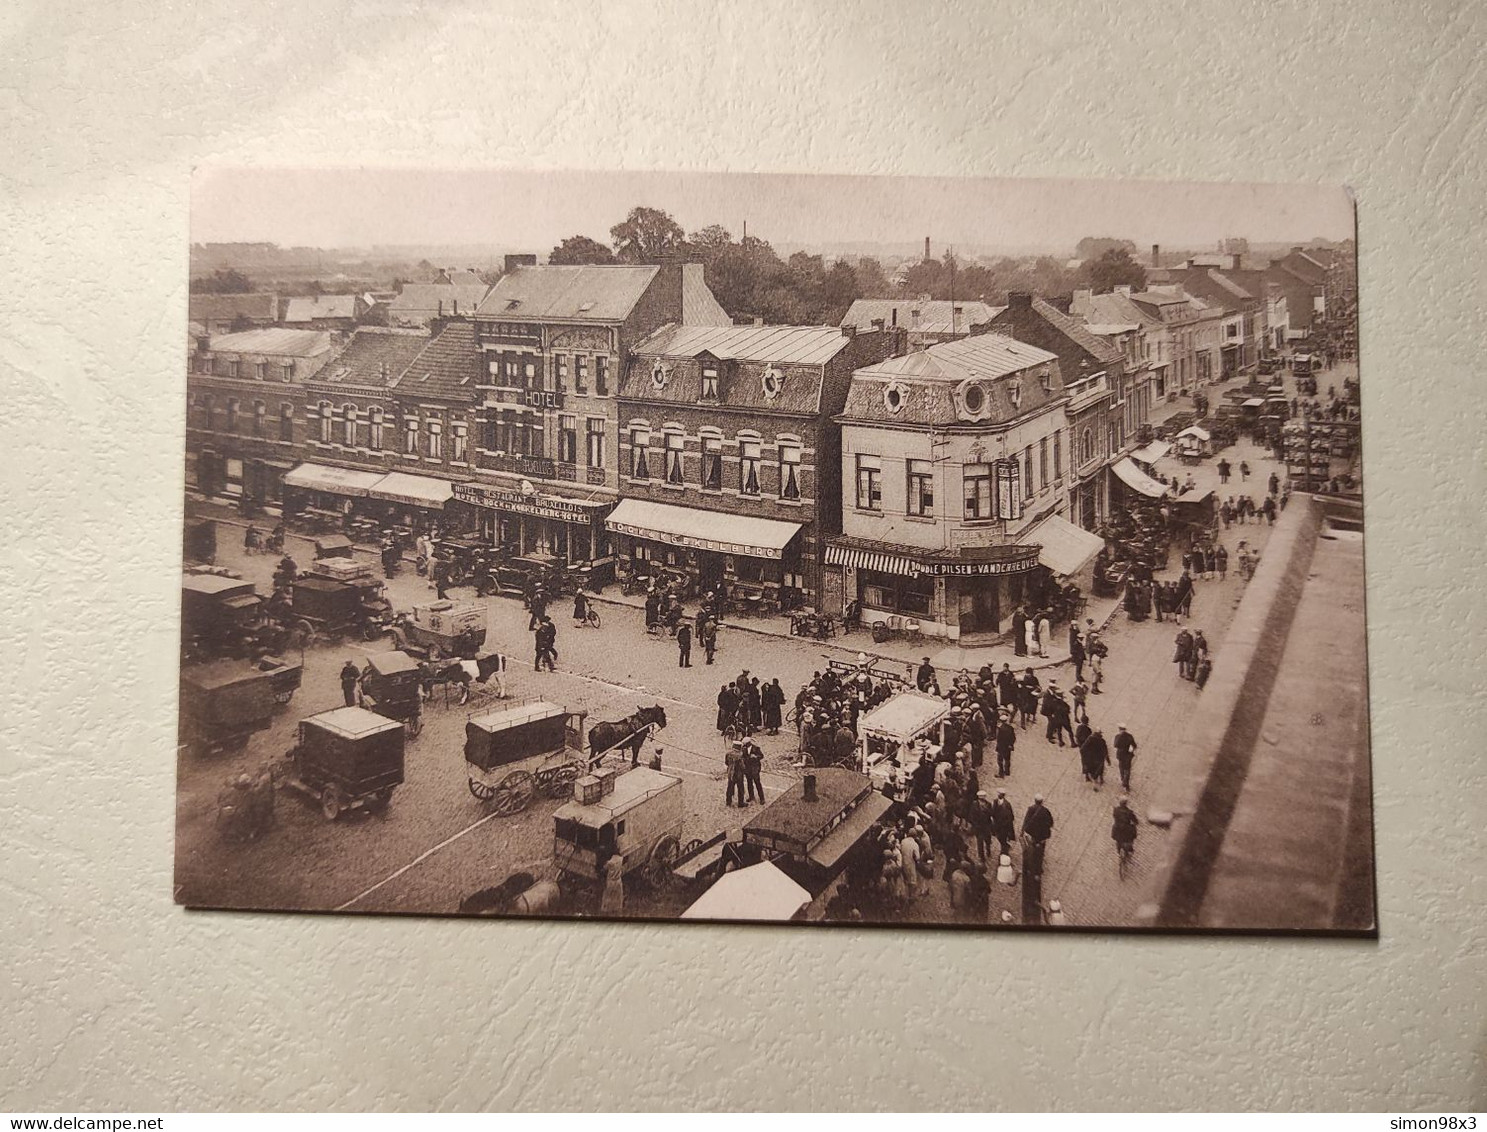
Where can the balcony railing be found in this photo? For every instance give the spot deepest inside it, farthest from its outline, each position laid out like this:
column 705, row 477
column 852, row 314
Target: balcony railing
column 538, row 467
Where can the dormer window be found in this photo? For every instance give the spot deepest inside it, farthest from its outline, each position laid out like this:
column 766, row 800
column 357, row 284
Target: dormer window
column 709, row 383
column 772, row 382
column 1014, row 392
column 1046, row 378
column 660, row 375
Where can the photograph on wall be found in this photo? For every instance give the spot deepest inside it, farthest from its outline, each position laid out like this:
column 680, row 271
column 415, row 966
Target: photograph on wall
column 803, row 549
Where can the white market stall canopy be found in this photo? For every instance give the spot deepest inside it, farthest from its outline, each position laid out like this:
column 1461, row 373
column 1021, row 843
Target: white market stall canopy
column 1152, row 452
column 417, row 491
column 1254, row 403
column 1195, row 431
column 905, row 717
column 1064, row 548
column 702, row 530
column 1134, row 478
column 759, row 892
column 337, row 481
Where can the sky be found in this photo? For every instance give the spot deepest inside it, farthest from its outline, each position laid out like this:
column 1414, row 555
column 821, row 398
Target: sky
column 535, row 210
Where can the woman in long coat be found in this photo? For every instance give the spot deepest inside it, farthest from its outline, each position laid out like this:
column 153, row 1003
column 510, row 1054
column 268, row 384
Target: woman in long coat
column 1094, row 757
column 1019, row 630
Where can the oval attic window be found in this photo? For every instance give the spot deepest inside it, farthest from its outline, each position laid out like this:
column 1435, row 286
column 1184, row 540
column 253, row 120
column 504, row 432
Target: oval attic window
column 975, row 398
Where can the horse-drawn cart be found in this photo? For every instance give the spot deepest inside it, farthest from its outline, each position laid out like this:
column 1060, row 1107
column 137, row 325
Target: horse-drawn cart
column 521, row 733
column 633, row 828
column 441, row 629
column 392, row 686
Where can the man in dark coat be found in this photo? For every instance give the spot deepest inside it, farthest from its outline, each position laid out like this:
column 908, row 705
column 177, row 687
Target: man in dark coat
column 1185, row 594
column 727, row 706
column 1274, row 484
column 1006, row 740
column 1003, row 821
column 1006, row 685
column 652, row 609
column 684, row 645
column 773, row 700
column 1094, row 757
column 1076, row 650
column 975, row 734
column 708, row 634
column 1029, row 692
column 1125, row 755
column 753, row 766
column 925, row 676
column 1037, row 828
column 350, row 674
column 1019, row 632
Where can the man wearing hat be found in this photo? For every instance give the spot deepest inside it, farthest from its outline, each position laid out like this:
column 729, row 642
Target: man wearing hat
column 1003, row 821
column 1125, row 754
column 350, row 677
column 1037, row 828
column 981, row 823
column 1006, row 739
column 925, row 676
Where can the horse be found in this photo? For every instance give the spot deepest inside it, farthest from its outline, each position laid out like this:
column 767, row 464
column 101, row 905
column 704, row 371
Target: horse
column 629, row 732
column 434, row 673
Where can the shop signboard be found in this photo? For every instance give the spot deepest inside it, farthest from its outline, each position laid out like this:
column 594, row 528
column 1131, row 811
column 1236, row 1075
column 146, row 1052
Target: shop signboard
column 507, row 499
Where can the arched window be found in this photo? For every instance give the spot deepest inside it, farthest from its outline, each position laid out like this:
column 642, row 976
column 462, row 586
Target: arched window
column 712, row 460
column 640, row 440
column 348, row 424
column 676, row 443
column 748, row 463
column 325, row 422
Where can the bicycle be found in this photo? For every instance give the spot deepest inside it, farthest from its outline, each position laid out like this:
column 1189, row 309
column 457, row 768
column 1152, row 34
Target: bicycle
column 1125, row 850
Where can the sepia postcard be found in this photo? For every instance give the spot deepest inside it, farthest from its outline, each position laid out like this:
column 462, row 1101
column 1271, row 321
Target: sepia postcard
column 811, row 549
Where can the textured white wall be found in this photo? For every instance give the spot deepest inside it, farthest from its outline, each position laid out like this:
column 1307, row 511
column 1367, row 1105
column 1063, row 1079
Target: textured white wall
column 117, row 999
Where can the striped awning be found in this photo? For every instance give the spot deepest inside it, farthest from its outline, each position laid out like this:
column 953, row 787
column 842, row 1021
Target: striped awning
column 858, row 559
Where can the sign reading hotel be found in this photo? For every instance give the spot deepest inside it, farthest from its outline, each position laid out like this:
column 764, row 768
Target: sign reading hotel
column 505, row 499
column 696, row 543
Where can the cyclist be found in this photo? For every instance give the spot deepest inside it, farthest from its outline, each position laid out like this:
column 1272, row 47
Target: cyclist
column 1123, row 829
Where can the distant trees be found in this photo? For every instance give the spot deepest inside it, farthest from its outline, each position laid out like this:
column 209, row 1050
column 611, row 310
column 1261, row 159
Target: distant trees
column 1093, row 247
column 1114, row 267
column 580, row 249
column 223, row 281
column 989, row 281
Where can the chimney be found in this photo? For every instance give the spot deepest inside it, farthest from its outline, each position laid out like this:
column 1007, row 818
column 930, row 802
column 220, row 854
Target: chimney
column 1122, row 288
column 808, row 784
column 1019, row 300
column 926, row 247
column 914, row 319
column 877, row 324
column 1156, row 255
column 849, row 332
column 1081, row 300
column 758, row 320
column 894, row 311
column 955, row 313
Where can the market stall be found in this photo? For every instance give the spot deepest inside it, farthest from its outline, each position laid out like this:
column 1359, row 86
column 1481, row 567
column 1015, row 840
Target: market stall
column 759, row 892
column 887, row 732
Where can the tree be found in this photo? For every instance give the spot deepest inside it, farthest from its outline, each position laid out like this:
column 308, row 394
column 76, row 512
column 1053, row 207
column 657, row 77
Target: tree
column 872, row 280
column 647, row 235
column 223, row 281
column 580, row 249
column 708, row 243
column 1116, row 267
column 1093, row 247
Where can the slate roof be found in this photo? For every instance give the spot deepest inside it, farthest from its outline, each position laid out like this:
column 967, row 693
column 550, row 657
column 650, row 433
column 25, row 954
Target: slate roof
column 929, row 378
column 374, row 358
column 308, row 308
column 799, row 353
column 260, row 307
column 272, row 340
column 935, row 315
column 448, row 367
column 436, row 298
column 1113, row 309
column 1210, row 286
column 584, row 293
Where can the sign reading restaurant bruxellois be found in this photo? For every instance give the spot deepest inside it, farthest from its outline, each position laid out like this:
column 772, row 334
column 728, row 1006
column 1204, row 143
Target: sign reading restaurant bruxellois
column 823, row 729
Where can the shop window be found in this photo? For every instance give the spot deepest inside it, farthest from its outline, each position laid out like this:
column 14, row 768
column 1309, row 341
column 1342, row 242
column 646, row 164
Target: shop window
column 709, row 383
column 712, row 463
column 434, row 446
column 581, row 374
column 748, row 467
column 920, row 484
column 601, row 375
column 460, row 441
column 230, row 423
column 374, row 429
column 323, row 410
column 640, row 439
column 895, row 594
column 410, row 436
column 676, row 444
column 348, row 425
column 286, row 422
column 595, row 441
column 870, row 483
column 789, row 470
column 568, row 440
column 978, row 492
column 1043, row 462
column 260, row 417
column 1027, row 472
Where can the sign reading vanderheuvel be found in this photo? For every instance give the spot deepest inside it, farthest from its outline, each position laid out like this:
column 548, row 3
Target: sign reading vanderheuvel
column 982, row 561
column 505, row 499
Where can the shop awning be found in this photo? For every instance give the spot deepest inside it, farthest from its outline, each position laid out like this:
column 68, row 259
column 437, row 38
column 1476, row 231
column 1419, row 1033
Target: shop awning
column 759, row 892
column 1254, row 403
column 1152, row 452
column 416, row 491
column 839, row 842
column 703, row 530
column 863, row 559
column 1134, row 478
column 1065, row 548
column 1193, row 430
column 337, row 481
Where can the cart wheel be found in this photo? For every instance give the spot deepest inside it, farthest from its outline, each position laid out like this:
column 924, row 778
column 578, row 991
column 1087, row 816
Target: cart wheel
column 330, row 802
column 482, row 790
column 558, row 782
column 514, row 792
column 594, row 618
column 691, row 847
column 377, row 803
column 415, row 725
column 301, row 634
column 663, row 857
